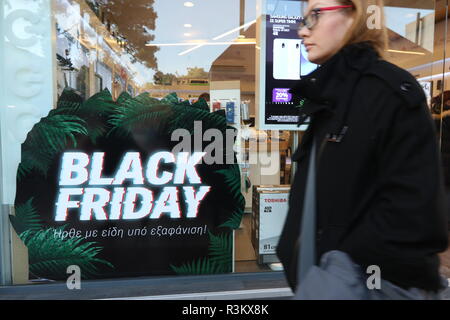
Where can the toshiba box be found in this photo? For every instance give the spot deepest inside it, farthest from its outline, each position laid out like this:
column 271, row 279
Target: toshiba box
column 270, row 206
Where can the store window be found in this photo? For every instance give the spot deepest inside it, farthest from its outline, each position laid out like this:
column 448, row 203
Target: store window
column 108, row 106
column 100, row 181
column 439, row 82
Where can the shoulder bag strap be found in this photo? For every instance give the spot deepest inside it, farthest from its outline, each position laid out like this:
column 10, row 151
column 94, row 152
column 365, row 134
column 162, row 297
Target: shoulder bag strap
column 307, row 256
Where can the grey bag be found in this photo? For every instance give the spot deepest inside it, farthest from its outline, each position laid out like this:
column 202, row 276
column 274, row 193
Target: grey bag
column 337, row 277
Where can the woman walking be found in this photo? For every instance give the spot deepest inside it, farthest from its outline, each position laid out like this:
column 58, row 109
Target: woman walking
column 373, row 197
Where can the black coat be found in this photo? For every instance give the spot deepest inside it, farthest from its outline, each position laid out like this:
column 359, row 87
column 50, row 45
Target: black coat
column 445, row 148
column 379, row 179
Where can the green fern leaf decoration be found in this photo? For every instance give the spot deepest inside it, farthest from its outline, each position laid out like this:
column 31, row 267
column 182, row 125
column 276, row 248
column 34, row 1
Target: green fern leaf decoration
column 171, row 98
column 69, row 100
column 184, row 103
column 26, row 218
column 49, row 255
column 94, row 111
column 100, row 104
column 124, row 96
column 133, row 114
column 201, row 104
column 234, row 222
column 197, row 267
column 220, row 113
column 221, row 250
column 232, row 180
column 185, row 118
column 145, row 99
column 47, row 138
column 218, row 261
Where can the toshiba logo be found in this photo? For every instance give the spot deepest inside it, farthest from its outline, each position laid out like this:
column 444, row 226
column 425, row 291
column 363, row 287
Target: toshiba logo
column 275, row 200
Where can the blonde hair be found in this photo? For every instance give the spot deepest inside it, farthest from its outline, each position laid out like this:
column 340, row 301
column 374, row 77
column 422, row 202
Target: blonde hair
column 360, row 31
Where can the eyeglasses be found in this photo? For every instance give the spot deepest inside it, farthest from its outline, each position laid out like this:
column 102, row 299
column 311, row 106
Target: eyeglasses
column 310, row 20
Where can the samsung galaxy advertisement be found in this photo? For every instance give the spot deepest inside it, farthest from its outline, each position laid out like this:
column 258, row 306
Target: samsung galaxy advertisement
column 283, row 62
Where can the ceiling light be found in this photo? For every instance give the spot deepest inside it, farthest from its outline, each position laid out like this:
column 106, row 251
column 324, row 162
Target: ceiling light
column 216, row 44
column 189, row 50
column 171, row 44
column 406, row 52
column 427, row 65
column 204, row 43
column 234, row 30
column 188, row 4
column 188, row 25
column 434, row 77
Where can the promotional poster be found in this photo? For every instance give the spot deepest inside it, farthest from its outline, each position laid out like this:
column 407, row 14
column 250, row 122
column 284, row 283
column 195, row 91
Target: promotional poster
column 104, row 185
column 286, row 62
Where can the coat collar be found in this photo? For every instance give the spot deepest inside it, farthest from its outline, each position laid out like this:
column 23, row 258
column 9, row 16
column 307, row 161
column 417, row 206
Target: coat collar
column 333, row 82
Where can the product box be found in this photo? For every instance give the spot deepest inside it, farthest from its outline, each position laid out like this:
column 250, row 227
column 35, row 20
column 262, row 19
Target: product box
column 216, row 106
column 230, row 110
column 269, row 210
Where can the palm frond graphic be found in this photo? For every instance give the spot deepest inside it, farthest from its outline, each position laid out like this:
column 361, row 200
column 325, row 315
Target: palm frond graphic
column 185, row 118
column 26, row 218
column 94, row 111
column 69, row 100
column 218, row 261
column 231, row 177
column 136, row 112
column 165, row 116
column 49, row 255
column 201, row 104
column 100, row 103
column 221, row 250
column 145, row 98
column 234, row 221
column 124, row 96
column 47, row 138
column 172, row 99
column 197, row 267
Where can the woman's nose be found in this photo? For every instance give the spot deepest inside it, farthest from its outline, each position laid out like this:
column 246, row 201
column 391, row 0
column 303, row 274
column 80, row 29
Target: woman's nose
column 304, row 33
